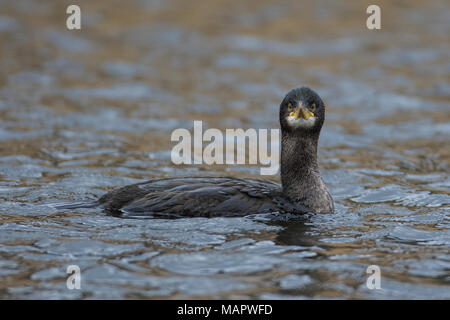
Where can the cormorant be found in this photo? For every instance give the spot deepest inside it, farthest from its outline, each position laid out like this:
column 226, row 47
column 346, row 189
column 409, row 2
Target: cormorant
column 302, row 190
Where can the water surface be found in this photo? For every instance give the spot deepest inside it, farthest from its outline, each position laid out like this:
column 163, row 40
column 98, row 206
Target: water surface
column 83, row 112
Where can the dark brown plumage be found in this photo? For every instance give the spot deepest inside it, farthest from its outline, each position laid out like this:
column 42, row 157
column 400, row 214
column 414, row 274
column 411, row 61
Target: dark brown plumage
column 302, row 114
column 199, row 197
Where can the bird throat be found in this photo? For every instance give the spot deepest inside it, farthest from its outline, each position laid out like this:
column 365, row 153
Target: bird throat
column 299, row 167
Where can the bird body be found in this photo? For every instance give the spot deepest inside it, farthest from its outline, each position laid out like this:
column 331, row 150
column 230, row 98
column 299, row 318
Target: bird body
column 199, row 197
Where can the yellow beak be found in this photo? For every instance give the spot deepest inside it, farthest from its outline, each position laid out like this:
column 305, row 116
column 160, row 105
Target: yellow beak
column 301, row 112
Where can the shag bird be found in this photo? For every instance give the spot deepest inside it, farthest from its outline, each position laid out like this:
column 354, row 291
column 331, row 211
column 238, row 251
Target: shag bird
column 302, row 190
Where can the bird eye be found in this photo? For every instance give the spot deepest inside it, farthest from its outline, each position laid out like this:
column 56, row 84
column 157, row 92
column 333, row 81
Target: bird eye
column 313, row 107
column 290, row 107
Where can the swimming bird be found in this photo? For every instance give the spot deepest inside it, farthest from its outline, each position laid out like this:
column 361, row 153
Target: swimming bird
column 302, row 189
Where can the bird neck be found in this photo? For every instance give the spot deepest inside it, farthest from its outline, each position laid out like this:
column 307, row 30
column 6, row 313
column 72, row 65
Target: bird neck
column 299, row 168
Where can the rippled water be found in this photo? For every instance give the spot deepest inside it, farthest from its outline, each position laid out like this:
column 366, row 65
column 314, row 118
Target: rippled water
column 82, row 112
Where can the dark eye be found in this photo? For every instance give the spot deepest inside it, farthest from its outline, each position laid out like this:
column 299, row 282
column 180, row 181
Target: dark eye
column 290, row 107
column 313, row 107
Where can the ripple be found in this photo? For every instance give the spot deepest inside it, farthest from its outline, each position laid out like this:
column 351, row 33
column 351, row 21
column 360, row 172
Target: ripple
column 428, row 237
column 403, row 196
column 214, row 263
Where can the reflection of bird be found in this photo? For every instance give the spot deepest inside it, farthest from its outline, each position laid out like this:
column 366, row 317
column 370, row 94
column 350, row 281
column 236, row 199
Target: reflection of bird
column 302, row 114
